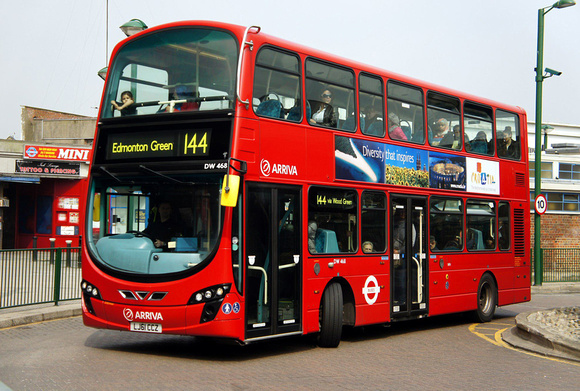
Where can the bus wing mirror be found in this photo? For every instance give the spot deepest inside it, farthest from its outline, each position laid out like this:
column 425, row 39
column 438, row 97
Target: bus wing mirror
column 230, row 190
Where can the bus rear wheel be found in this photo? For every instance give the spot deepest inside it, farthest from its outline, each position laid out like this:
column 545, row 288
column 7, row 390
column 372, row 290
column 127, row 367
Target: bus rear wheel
column 331, row 316
column 486, row 299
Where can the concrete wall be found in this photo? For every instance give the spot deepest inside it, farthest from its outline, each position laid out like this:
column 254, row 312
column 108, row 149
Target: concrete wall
column 54, row 127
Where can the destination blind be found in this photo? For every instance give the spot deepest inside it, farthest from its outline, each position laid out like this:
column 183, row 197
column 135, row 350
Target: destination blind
column 158, row 144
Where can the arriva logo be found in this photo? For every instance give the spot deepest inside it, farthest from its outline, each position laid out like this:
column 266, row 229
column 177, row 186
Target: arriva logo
column 280, row 169
column 141, row 315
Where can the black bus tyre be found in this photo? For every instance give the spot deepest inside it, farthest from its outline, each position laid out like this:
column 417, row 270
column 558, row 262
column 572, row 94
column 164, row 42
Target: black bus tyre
column 486, row 299
column 331, row 317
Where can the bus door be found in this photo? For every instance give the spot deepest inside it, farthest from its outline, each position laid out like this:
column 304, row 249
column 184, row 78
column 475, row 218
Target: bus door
column 408, row 253
column 273, row 260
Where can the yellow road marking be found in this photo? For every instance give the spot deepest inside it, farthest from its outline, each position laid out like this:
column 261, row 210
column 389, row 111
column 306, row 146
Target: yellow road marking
column 498, row 341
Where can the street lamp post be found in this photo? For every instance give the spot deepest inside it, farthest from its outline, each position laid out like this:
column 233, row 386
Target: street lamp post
column 538, row 264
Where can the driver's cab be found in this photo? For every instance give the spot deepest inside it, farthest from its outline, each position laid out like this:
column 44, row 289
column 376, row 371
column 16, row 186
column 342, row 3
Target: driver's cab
column 137, row 229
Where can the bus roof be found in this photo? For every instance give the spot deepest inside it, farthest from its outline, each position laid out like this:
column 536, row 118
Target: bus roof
column 238, row 31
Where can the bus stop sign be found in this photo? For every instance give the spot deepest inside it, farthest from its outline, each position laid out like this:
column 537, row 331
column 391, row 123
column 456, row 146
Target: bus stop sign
column 541, row 204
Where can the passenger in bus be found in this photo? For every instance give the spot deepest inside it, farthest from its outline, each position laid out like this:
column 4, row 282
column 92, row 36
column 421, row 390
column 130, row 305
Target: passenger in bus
column 312, row 227
column 183, row 92
column 126, row 107
column 368, row 247
column 433, row 243
column 163, row 225
column 440, row 128
column 506, row 146
column 452, row 139
column 395, row 131
column 479, row 143
column 456, row 243
column 373, row 121
column 324, row 114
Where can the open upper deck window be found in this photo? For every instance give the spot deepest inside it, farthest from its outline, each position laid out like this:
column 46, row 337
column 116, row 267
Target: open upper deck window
column 171, row 71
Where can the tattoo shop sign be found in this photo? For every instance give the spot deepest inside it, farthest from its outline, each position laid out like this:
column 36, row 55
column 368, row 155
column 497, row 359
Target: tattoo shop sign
column 43, row 168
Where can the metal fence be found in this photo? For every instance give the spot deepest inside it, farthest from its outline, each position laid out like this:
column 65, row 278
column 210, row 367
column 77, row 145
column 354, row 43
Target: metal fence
column 43, row 275
column 560, row 264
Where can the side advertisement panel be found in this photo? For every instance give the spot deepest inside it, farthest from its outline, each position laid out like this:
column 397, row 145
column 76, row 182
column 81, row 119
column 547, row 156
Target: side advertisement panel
column 369, row 161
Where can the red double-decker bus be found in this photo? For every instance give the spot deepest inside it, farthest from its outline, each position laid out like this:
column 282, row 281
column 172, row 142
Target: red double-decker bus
column 246, row 187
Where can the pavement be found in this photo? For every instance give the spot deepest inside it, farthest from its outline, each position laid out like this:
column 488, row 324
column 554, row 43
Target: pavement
column 552, row 332
column 18, row 316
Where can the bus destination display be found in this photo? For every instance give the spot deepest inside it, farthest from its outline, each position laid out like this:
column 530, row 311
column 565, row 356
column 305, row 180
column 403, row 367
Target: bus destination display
column 186, row 144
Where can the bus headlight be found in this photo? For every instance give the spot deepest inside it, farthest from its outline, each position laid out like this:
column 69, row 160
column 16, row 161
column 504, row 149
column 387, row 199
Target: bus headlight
column 212, row 293
column 89, row 290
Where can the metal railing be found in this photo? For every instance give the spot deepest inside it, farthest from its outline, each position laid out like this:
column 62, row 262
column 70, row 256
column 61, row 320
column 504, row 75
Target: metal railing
column 560, row 264
column 40, row 275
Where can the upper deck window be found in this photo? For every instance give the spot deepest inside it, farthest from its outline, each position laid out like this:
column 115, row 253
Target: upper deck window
column 478, row 126
column 372, row 106
column 174, row 70
column 330, row 95
column 277, row 84
column 508, row 135
column 407, row 108
column 443, row 119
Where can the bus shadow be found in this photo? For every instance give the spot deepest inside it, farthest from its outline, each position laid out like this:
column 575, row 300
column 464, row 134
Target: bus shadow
column 211, row 349
column 374, row 332
column 196, row 348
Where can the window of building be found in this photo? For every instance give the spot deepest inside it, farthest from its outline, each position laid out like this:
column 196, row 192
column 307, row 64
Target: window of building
column 446, row 224
column 563, row 202
column 330, row 95
column 569, row 171
column 374, row 222
column 405, row 106
column 332, row 220
column 443, row 114
column 480, row 225
column 546, row 170
column 372, row 106
column 507, row 135
column 277, row 84
column 559, row 202
column 478, row 128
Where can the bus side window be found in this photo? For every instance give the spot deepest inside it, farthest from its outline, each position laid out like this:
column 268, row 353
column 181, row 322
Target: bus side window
column 406, row 105
column 480, row 225
column 373, row 222
column 478, row 128
column 332, row 220
column 372, row 106
column 330, row 93
column 443, row 114
column 508, row 135
column 446, row 224
column 504, row 227
column 277, row 85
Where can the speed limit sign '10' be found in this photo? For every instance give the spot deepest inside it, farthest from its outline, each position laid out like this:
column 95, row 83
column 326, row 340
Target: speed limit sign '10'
column 541, row 204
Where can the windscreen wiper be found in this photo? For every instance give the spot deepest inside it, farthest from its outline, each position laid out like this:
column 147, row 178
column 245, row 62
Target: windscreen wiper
column 163, row 175
column 109, row 173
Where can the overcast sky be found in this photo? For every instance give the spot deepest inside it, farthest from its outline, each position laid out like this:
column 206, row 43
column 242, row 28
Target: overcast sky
column 52, row 50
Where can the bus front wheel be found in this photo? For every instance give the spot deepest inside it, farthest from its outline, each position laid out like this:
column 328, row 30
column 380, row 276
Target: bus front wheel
column 331, row 316
column 486, row 299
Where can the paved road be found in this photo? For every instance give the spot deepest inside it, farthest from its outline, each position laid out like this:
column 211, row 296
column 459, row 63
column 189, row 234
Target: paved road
column 439, row 353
